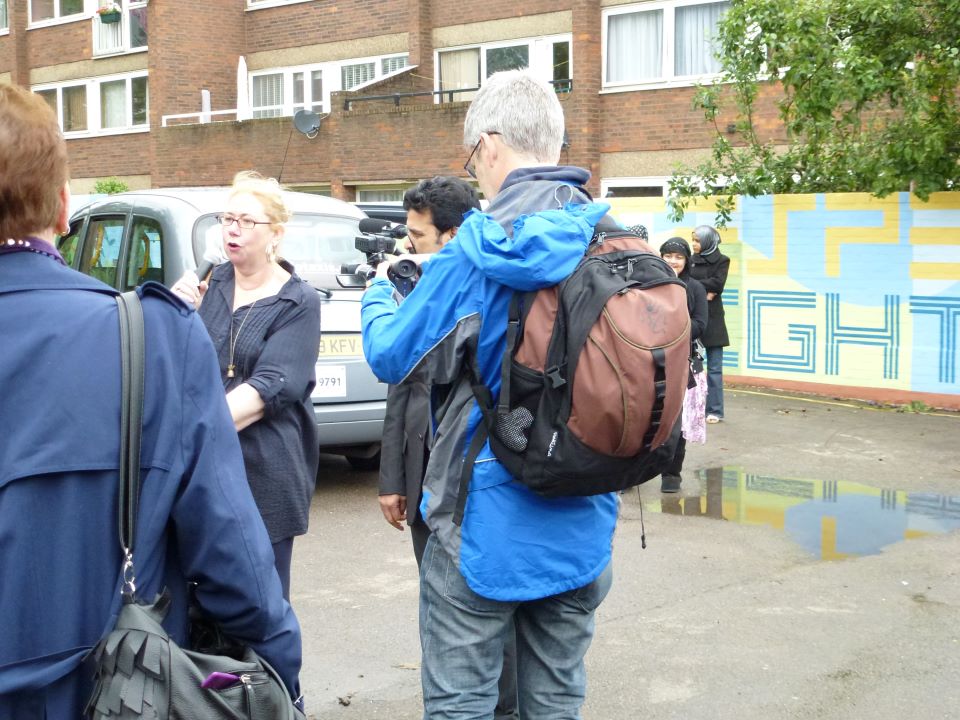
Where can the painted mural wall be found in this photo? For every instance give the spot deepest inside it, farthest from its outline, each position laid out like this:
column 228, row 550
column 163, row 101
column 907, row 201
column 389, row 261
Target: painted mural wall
column 843, row 291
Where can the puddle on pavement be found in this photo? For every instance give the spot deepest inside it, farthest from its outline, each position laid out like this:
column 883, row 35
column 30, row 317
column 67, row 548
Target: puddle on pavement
column 830, row 519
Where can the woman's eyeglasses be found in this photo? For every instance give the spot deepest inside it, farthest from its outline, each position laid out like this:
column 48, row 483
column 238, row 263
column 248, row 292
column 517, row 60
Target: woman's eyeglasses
column 242, row 222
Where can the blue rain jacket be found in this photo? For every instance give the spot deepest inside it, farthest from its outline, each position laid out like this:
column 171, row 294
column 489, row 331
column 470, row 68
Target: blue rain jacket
column 59, row 450
column 513, row 545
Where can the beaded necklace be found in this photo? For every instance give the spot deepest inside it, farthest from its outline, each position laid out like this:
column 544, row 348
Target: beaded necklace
column 30, row 244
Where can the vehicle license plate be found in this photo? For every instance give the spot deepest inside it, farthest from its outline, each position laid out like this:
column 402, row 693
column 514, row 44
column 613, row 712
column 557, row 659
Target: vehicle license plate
column 331, row 381
column 340, row 345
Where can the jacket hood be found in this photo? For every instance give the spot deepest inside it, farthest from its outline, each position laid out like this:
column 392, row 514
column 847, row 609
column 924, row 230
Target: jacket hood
column 544, row 249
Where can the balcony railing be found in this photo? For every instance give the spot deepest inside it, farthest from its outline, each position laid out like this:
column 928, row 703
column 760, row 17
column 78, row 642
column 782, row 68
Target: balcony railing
column 561, row 86
column 206, row 116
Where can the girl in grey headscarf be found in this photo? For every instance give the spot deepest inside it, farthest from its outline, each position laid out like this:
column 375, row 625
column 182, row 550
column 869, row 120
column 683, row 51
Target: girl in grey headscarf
column 710, row 267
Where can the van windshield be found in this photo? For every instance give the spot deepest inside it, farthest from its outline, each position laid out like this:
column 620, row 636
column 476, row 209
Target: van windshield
column 316, row 245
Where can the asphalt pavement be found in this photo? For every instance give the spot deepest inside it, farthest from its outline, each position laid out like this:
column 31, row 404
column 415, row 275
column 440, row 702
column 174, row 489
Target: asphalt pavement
column 807, row 569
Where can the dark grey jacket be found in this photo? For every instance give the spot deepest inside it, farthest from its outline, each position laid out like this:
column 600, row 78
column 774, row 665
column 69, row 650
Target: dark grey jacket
column 407, row 437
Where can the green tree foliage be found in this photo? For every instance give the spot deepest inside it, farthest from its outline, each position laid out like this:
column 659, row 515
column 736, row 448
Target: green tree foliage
column 867, row 91
column 110, row 186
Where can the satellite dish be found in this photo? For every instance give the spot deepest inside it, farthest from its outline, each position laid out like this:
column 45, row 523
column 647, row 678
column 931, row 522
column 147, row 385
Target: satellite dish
column 307, row 122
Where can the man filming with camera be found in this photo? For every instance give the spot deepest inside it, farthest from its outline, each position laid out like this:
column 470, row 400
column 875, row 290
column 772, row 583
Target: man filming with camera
column 435, row 209
column 515, row 559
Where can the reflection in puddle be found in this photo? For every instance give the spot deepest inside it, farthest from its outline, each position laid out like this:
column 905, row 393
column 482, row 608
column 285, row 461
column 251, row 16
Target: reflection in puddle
column 831, row 519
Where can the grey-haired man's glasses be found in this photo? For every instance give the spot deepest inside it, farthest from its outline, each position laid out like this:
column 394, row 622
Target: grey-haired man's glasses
column 469, row 165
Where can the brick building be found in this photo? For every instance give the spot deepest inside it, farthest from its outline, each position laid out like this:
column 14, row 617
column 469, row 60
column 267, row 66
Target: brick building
column 174, row 93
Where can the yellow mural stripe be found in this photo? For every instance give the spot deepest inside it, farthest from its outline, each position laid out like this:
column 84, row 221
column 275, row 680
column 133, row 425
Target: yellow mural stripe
column 837, row 236
column 935, row 271
column 776, row 265
column 937, row 201
column 934, row 236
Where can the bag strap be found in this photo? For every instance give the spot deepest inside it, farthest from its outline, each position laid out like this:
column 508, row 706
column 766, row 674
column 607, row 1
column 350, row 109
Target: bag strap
column 466, row 471
column 131, row 422
column 484, row 399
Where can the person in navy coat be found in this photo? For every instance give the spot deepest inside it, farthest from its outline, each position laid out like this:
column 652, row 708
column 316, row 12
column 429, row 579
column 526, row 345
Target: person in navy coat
column 60, row 448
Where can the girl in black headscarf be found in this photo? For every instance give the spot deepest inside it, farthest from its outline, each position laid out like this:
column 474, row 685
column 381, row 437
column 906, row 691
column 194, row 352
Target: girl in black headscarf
column 710, row 267
column 676, row 252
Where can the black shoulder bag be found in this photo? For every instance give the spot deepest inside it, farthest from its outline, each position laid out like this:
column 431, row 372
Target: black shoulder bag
column 140, row 671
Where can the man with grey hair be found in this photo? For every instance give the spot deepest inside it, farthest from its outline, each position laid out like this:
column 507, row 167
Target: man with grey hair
column 499, row 556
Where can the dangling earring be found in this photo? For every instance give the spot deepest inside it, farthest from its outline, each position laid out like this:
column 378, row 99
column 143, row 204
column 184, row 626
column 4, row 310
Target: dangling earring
column 272, row 253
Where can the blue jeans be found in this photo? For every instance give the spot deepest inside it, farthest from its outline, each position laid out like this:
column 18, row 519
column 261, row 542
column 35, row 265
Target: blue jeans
column 715, row 381
column 462, row 635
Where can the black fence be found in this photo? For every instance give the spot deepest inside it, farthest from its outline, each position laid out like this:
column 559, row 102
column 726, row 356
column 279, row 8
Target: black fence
column 561, row 86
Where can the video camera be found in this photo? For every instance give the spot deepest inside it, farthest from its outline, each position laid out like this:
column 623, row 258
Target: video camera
column 377, row 241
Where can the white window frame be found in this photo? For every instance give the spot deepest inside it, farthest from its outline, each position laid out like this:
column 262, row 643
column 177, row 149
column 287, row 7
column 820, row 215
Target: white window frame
column 125, row 47
column 539, row 54
column 667, row 79
column 332, row 79
column 94, row 119
column 5, row 18
column 659, row 181
column 89, row 9
column 261, row 4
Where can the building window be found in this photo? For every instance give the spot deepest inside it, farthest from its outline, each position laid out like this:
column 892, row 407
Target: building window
column 381, row 195
column 461, row 70
column 123, row 103
column 634, row 187
column 125, row 36
column 267, row 97
column 73, row 105
column 137, row 23
column 101, row 106
column 661, row 42
column 357, row 74
column 4, row 23
column 393, row 64
column 283, row 91
column 54, row 9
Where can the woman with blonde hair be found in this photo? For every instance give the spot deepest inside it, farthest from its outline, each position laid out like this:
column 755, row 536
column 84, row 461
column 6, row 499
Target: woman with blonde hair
column 265, row 325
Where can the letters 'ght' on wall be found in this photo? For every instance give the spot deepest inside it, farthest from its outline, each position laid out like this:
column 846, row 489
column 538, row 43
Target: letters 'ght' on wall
column 835, row 289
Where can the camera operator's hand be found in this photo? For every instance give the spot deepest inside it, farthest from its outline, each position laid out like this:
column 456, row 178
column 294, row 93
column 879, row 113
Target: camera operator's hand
column 394, row 509
column 384, row 266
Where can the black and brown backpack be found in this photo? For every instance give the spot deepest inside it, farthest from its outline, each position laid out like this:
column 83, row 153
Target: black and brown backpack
column 594, row 374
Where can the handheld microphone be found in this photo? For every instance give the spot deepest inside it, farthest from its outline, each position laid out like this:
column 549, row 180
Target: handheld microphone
column 204, row 268
column 212, row 256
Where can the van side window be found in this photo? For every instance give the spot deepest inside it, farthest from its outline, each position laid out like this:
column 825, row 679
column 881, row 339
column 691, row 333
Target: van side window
column 101, row 251
column 145, row 260
column 67, row 244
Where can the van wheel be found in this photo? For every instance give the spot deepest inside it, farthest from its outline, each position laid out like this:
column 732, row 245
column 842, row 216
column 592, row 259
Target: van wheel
column 364, row 464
